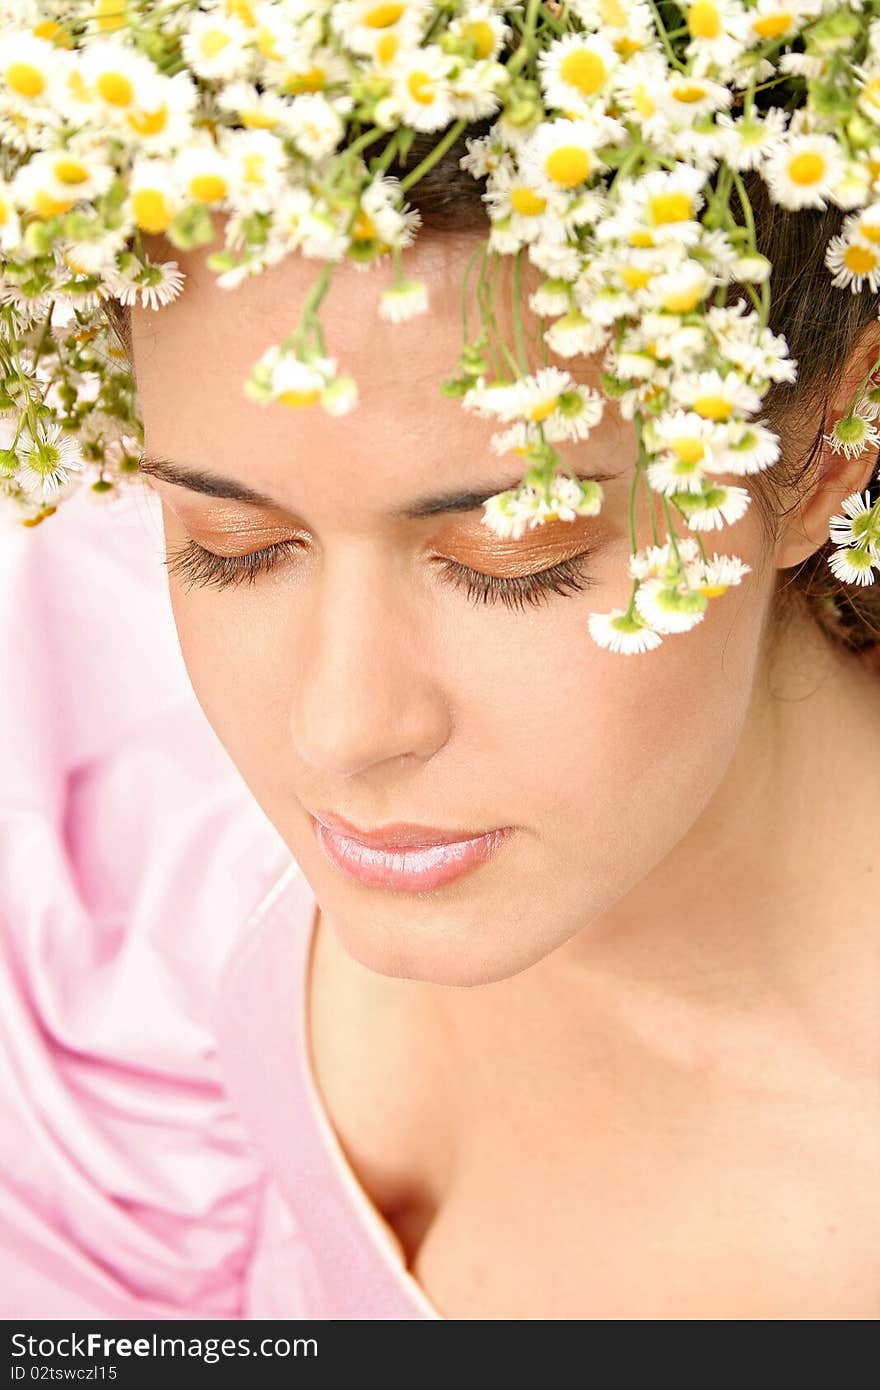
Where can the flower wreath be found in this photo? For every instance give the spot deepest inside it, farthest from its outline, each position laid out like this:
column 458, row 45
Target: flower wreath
column 610, row 163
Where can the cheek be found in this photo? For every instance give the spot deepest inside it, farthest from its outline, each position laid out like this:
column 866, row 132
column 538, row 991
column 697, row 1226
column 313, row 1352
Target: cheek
column 238, row 669
column 616, row 756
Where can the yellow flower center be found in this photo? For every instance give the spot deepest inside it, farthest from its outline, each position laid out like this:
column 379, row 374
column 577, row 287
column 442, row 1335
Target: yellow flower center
column 254, row 167
column 47, row 206
column 806, row 168
column 568, row 165
column 687, row 92
column 641, row 237
column 688, row 450
column 859, row 259
column 714, row 590
column 682, row 301
column 635, row 278
column 364, row 228
column 4, row 211
column 771, row 26
column 669, row 207
column 613, row 14
column 48, row 29
column 527, row 202
column 148, row 122
column 482, row 36
column 421, row 87
column 311, row 81
column 77, row 87
column 584, row 69
column 110, row 14
column 207, row 187
column 713, row 407
column 382, row 16
column 25, row 79
column 70, row 171
column 115, row 88
column 870, row 230
column 242, row 9
column 386, row 48
column 213, row 42
column 152, row 210
column 644, row 104
column 542, row 409
column 266, row 43
column 254, row 119
column 300, row 398
column 704, row 20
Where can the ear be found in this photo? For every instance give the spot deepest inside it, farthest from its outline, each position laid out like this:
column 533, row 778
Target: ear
column 836, row 475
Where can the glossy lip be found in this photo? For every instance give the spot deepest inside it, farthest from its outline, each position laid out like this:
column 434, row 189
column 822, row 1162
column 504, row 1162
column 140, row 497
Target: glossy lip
column 399, row 835
column 411, row 868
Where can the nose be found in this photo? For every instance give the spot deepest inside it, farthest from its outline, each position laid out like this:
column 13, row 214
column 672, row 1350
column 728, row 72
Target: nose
column 365, row 687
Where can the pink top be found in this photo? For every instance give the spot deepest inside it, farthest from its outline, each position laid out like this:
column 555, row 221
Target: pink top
column 163, row 1149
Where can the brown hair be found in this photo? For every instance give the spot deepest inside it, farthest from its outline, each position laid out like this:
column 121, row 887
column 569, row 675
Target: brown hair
column 821, row 324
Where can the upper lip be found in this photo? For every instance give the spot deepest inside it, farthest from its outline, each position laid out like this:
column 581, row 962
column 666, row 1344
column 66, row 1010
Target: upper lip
column 400, row 834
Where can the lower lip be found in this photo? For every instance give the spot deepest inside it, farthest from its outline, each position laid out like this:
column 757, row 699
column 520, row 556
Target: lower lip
column 415, row 868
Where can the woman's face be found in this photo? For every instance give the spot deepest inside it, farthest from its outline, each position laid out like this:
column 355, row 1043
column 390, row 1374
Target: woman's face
column 357, row 677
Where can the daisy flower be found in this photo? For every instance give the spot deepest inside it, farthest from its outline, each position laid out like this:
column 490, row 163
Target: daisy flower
column 716, row 505
column 720, row 572
column 802, row 169
column 403, row 300
column 852, row 434
column 362, row 25
column 669, row 605
column 154, row 197
column 217, row 46
column 526, row 211
column 618, row 631
column 575, row 70
column 747, row 140
column 714, row 396
column 420, row 88
column 32, row 70
column 854, row 261
column 853, row 566
column 561, row 155
column 202, row 171
column 46, row 463
column 860, row 524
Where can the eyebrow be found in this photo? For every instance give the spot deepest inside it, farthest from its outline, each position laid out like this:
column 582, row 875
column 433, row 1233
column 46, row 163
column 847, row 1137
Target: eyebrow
column 214, row 485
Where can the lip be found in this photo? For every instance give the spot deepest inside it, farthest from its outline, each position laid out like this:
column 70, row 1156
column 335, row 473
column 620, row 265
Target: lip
column 399, row 835
column 404, row 856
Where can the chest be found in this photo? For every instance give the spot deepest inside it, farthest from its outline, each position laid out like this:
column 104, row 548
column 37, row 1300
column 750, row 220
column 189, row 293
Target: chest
column 602, row 1203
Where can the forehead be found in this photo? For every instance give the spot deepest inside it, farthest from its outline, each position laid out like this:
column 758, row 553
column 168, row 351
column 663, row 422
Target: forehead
column 403, row 437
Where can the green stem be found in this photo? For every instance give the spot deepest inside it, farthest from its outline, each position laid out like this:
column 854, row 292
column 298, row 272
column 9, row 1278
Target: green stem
column 517, row 311
column 664, row 36
column 464, row 289
column 437, row 153
column 527, row 42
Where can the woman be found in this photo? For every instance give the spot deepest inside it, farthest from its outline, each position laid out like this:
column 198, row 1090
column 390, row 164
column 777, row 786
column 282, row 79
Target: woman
column 620, row 1059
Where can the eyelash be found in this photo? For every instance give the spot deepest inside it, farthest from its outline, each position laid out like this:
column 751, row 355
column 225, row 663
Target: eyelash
column 204, row 568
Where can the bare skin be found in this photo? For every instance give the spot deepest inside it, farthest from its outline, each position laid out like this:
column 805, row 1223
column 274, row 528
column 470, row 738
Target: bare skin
column 629, row 1069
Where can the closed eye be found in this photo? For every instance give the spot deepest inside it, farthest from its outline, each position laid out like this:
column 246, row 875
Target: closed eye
column 204, row 568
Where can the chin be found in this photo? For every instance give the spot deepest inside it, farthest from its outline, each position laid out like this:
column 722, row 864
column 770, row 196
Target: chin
column 446, row 949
